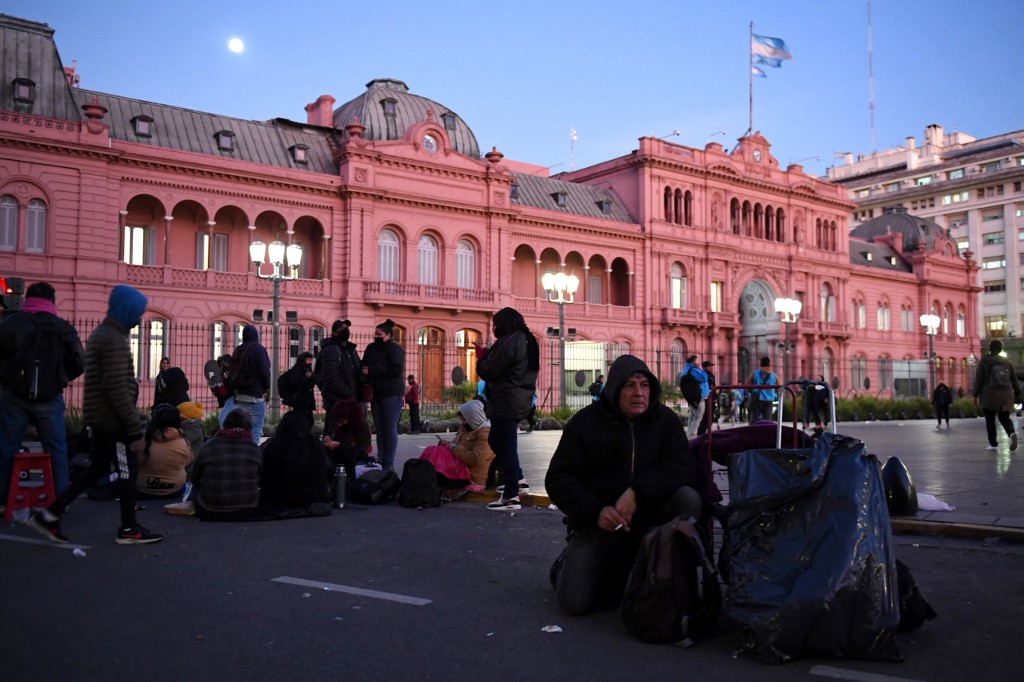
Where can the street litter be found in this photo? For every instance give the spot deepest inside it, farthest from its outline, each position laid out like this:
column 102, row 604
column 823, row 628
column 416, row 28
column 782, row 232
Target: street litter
column 926, row 502
column 78, row 551
column 306, row 595
column 553, row 506
column 551, row 628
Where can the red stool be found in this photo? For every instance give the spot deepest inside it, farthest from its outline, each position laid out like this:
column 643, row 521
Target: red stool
column 31, row 483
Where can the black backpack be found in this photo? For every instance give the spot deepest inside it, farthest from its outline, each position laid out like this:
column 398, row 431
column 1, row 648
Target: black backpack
column 673, row 591
column 595, row 389
column 690, row 387
column 999, row 376
column 36, row 372
column 375, row 487
column 419, row 485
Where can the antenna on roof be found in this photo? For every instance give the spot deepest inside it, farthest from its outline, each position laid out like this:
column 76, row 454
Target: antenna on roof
column 572, row 149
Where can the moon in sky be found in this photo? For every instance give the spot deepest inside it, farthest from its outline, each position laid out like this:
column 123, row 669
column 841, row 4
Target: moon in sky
column 236, row 45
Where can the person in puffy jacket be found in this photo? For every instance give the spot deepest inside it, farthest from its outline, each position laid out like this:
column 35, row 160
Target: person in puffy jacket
column 621, row 467
column 384, row 370
column 510, row 369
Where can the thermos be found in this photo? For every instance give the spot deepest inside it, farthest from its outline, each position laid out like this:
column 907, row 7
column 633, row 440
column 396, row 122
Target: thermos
column 340, row 486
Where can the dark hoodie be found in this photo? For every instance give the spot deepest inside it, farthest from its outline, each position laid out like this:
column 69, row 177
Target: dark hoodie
column 250, row 365
column 602, row 453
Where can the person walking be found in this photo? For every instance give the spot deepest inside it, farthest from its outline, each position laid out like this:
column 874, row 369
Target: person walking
column 383, row 369
column 109, row 408
column 337, row 371
column 296, row 386
column 942, row 398
column 36, row 336
column 249, row 380
column 510, row 368
column 412, row 399
column 996, row 385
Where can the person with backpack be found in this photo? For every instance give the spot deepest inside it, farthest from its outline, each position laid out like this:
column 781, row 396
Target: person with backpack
column 596, row 388
column 337, row 370
column 622, row 466
column 942, row 398
column 109, row 401
column 249, row 380
column 693, row 382
column 761, row 401
column 40, row 353
column 296, row 386
column 706, row 389
column 995, row 384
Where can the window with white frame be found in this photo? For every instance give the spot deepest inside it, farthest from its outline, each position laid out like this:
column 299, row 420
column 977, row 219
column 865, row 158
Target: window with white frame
column 35, row 227
column 827, row 303
column 139, row 245
column 860, row 315
column 426, row 255
column 858, row 372
column 295, row 339
column 8, row 223
column 923, row 180
column 716, row 297
column 907, row 319
column 218, row 342
column 465, row 264
column 316, row 336
column 883, row 317
column 884, row 374
column 157, row 331
column 946, row 314
column 595, row 289
column 993, row 263
column 219, row 253
column 993, row 238
column 677, row 287
column 387, row 256
column 961, row 323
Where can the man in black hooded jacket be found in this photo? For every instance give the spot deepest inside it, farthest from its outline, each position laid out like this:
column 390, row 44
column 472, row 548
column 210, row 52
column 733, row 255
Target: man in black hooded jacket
column 621, row 467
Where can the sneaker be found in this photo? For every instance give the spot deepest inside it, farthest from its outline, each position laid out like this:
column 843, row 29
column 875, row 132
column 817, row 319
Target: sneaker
column 181, row 509
column 1013, row 442
column 938, row 426
column 523, row 485
column 505, row 505
column 48, row 529
column 991, row 447
column 136, row 536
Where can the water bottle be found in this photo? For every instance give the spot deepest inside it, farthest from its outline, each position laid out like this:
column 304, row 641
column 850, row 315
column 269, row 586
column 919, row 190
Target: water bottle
column 340, row 486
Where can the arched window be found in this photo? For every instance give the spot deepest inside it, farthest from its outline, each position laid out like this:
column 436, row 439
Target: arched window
column 35, row 227
column 860, row 317
column 219, row 342
column 883, row 316
column 947, row 315
column 734, row 215
column 769, row 224
column 465, row 265
column 668, row 204
column 8, row 223
column 688, row 209
column 961, row 322
column 675, row 358
column 858, row 372
column 833, row 237
column 387, row 256
column 884, row 374
column 827, row 304
column 426, row 253
column 677, row 207
column 677, row 287
column 748, row 219
column 819, row 236
column 780, row 226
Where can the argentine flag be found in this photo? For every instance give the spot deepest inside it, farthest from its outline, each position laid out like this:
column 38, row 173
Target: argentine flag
column 771, row 48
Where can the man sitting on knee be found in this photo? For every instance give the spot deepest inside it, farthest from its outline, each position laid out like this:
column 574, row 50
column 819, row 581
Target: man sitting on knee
column 621, row 467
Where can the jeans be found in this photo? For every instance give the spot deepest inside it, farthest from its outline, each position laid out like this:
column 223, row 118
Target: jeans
column 257, row 413
column 990, row 424
column 108, row 450
column 504, row 441
column 48, row 418
column 595, row 565
column 386, row 412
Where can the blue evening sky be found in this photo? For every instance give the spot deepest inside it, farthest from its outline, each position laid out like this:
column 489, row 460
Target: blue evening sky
column 522, row 74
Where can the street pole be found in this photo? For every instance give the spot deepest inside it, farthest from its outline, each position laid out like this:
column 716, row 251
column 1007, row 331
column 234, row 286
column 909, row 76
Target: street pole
column 785, row 371
column 275, row 358
column 561, row 353
column 931, row 363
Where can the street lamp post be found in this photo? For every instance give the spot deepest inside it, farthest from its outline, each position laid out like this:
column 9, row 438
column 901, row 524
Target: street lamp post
column 930, row 322
column 561, row 289
column 277, row 252
column 788, row 310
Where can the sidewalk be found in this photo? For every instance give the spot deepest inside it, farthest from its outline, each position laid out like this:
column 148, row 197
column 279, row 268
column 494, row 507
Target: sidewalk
column 985, row 487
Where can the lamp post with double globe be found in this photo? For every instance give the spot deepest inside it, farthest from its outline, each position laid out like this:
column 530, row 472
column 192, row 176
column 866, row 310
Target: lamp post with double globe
column 789, row 311
column 930, row 322
column 561, row 289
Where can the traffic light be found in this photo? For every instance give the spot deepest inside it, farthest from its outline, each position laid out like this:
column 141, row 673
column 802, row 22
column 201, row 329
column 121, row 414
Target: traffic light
column 12, row 290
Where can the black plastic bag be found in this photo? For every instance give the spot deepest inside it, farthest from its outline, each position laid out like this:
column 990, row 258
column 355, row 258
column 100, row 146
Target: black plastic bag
column 810, row 554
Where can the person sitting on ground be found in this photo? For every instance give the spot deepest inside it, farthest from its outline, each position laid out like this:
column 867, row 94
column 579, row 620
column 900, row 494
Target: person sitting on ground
column 621, row 467
column 462, row 463
column 349, row 442
column 294, row 466
column 226, row 474
column 165, row 457
column 192, row 425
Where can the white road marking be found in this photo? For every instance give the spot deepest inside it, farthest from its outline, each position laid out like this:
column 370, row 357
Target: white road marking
column 332, row 587
column 841, row 674
column 40, row 541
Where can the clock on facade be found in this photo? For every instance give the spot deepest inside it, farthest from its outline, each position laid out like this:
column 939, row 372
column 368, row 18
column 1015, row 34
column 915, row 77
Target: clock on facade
column 429, row 144
column 757, row 155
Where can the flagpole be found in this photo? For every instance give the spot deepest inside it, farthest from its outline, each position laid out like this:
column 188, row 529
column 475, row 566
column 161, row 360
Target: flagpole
column 750, row 72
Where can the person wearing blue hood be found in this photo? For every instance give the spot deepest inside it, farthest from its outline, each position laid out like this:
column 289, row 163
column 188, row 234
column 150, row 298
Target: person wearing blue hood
column 621, row 467
column 249, row 380
column 109, row 409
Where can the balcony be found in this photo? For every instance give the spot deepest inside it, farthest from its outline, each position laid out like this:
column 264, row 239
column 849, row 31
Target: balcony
column 187, row 278
column 380, row 294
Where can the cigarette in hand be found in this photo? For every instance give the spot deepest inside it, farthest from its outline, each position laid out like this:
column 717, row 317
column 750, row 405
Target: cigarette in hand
column 618, row 527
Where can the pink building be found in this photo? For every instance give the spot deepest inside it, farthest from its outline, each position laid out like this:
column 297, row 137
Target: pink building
column 678, row 250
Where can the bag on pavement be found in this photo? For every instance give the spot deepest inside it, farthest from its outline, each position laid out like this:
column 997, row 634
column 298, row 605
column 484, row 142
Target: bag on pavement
column 672, row 593
column 419, row 485
column 375, row 487
column 914, row 608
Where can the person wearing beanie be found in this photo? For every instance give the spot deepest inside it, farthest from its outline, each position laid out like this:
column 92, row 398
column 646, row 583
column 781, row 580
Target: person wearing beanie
column 29, row 336
column 384, row 370
column 166, row 455
column 248, row 380
column 109, row 409
column 996, row 386
column 761, row 401
column 192, row 425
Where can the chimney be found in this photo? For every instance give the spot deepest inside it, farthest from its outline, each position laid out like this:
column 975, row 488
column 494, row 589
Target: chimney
column 321, row 112
column 71, row 73
column 933, row 135
column 911, row 142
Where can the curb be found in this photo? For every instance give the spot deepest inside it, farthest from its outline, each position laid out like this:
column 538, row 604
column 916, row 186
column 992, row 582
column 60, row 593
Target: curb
column 899, row 526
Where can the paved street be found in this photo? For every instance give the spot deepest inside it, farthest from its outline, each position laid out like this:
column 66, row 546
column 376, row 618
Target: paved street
column 459, row 591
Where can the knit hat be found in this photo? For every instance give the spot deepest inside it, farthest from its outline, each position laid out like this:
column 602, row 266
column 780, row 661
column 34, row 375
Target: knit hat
column 190, row 410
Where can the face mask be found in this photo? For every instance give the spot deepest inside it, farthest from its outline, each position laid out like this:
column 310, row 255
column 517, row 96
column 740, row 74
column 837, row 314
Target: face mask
column 343, row 335
column 378, row 339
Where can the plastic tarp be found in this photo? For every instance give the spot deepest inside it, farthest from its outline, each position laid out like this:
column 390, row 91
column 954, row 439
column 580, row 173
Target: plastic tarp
column 809, row 553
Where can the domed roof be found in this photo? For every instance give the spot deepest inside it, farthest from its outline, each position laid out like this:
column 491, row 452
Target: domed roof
column 387, row 109
column 896, row 219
